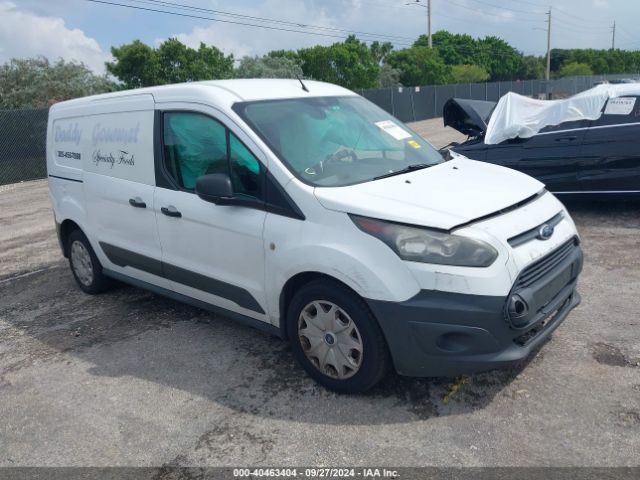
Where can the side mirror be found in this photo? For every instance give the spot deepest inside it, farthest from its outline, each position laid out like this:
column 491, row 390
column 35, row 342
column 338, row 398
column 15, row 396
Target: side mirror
column 215, row 188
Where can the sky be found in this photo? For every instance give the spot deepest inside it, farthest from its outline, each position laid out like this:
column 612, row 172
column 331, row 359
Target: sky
column 85, row 31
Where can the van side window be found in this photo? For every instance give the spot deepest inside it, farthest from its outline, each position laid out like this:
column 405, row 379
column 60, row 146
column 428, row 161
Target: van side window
column 194, row 145
column 245, row 168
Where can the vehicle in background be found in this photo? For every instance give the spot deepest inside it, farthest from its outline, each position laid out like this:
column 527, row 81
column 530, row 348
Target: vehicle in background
column 581, row 146
column 618, row 81
column 307, row 211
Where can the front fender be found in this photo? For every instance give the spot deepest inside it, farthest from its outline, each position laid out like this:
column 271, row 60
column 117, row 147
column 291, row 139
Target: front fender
column 338, row 250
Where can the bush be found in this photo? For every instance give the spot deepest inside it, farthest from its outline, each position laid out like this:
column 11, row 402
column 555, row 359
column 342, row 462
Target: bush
column 468, row 74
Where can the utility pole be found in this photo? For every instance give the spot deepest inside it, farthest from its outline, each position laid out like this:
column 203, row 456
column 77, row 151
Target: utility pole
column 548, row 44
column 429, row 23
column 428, row 7
column 613, row 38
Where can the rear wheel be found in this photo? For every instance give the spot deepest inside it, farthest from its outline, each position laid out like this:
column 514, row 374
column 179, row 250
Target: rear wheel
column 336, row 338
column 85, row 266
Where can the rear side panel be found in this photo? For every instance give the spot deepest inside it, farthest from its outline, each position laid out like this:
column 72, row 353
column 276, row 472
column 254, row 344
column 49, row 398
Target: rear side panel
column 106, row 147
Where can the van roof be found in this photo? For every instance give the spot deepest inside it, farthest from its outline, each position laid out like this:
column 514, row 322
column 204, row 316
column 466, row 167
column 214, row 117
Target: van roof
column 222, row 91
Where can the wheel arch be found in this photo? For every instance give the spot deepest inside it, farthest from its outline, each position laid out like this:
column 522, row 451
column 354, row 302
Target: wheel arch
column 295, row 283
column 66, row 228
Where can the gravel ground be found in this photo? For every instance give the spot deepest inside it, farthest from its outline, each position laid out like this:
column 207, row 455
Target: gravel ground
column 130, row 378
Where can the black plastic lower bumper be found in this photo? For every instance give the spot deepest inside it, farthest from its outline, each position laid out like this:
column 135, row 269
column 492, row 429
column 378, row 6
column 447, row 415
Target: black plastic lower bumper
column 445, row 334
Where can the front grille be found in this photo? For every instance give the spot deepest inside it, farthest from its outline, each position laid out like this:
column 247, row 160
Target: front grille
column 540, row 268
column 533, row 233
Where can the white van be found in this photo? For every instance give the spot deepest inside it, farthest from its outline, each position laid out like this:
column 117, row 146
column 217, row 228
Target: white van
column 307, row 211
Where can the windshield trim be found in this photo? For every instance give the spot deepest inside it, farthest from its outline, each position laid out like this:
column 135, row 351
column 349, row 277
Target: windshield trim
column 239, row 109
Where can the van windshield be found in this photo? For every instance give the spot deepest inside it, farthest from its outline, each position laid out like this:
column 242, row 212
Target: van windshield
column 337, row 141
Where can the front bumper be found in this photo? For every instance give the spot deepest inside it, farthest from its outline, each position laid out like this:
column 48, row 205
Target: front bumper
column 445, row 334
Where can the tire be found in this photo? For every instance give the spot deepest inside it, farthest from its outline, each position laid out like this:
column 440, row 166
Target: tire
column 85, row 266
column 360, row 357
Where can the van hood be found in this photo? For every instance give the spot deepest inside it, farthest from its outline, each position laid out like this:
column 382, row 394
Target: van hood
column 444, row 196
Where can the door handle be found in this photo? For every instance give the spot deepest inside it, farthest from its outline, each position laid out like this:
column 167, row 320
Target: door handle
column 171, row 211
column 137, row 202
column 566, row 139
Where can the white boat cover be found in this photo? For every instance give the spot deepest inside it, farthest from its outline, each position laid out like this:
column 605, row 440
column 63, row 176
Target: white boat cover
column 519, row 116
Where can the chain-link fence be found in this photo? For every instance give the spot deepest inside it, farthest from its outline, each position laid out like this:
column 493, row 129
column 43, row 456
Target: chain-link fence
column 23, row 136
column 23, row 132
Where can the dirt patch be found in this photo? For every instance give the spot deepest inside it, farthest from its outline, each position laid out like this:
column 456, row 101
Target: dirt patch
column 628, row 418
column 611, row 355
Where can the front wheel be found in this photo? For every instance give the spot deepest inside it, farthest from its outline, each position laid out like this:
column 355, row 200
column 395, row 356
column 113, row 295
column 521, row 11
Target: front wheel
column 336, row 338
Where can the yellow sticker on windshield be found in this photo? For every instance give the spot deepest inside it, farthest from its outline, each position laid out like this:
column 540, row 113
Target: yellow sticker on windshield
column 414, row 144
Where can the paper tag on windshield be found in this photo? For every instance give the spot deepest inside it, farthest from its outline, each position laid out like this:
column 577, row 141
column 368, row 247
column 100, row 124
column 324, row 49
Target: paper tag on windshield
column 394, row 130
column 620, row 106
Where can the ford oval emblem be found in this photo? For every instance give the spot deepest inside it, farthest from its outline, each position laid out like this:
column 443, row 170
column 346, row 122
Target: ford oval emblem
column 545, row 232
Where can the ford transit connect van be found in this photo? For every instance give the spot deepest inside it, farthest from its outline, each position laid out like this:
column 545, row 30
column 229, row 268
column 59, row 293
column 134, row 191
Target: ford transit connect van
column 307, row 211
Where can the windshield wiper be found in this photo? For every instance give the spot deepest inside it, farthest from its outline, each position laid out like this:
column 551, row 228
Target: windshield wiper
column 410, row 168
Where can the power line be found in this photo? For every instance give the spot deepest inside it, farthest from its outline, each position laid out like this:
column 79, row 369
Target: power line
column 578, row 30
column 500, row 7
column 484, row 12
column 585, row 28
column 529, row 3
column 302, row 28
column 233, row 22
column 201, row 17
column 181, row 6
column 578, row 18
column 450, row 2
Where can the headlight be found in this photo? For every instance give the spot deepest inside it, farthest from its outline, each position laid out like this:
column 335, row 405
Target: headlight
column 428, row 246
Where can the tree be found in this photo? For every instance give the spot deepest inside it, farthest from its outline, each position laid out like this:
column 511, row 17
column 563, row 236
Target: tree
column 268, row 67
column 419, row 66
column 468, row 74
column 389, row 76
column 454, row 49
column 290, row 54
column 349, row 64
column 37, row 83
column 532, row 68
column 501, row 60
column 575, row 68
column 138, row 65
column 599, row 61
column 379, row 51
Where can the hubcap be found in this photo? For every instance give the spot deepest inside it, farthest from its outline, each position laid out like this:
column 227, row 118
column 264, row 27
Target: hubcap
column 330, row 339
column 81, row 261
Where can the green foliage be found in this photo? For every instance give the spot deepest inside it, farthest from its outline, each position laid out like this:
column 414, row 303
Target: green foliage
column 290, row 54
column 454, row 49
column 138, row 65
column 501, row 60
column 456, row 58
column 37, row 83
column 380, row 50
column 575, row 68
column 135, row 64
column 468, row 74
column 389, row 76
column 600, row 61
column 494, row 55
column 532, row 68
column 349, row 64
column 268, row 67
column 419, row 66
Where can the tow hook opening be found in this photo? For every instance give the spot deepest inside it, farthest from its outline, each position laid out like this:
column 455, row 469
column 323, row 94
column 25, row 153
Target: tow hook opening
column 517, row 307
